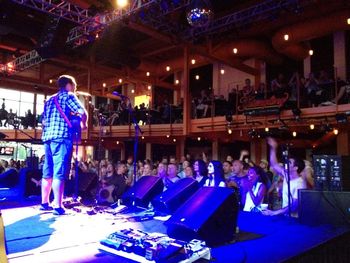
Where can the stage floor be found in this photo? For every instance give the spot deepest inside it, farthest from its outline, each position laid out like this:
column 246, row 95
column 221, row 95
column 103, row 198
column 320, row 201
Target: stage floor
column 35, row 236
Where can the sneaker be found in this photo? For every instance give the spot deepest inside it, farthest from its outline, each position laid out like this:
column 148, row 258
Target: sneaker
column 58, row 211
column 45, row 207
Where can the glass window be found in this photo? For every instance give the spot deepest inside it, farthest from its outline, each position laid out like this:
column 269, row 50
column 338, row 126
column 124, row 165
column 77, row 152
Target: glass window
column 27, row 97
column 25, row 106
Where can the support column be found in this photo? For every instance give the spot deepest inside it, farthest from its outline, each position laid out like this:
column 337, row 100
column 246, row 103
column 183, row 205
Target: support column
column 122, row 152
column 256, row 150
column 307, row 66
column 215, row 149
column 180, row 148
column 148, row 151
column 187, row 99
column 340, row 54
column 343, row 143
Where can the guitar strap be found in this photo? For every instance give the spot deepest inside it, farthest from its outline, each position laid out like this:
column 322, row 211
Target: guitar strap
column 64, row 116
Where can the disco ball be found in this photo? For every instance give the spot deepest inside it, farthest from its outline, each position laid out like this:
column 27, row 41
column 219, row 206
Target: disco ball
column 199, row 17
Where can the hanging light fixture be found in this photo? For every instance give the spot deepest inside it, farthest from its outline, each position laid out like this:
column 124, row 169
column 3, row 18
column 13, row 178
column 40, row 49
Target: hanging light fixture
column 199, row 13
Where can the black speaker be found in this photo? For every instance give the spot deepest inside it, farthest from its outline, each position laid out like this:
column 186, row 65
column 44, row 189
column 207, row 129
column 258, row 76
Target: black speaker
column 144, row 190
column 324, row 207
column 210, row 215
column 175, row 196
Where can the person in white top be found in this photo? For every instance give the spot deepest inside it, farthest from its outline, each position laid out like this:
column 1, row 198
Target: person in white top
column 256, row 190
column 296, row 166
column 215, row 174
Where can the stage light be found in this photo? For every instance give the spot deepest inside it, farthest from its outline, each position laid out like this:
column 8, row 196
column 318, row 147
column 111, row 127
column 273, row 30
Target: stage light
column 312, row 126
column 294, row 134
column 167, row 68
column 122, row 3
column 120, row 81
column 235, row 51
column 174, row 140
column 149, row 87
column 222, row 71
column 104, row 85
column 199, row 13
column 199, row 139
column 50, row 81
column 335, row 131
column 133, row 91
column 267, row 129
column 286, row 37
column 311, row 52
column 197, row 77
column 193, row 61
column 177, row 82
column 148, row 73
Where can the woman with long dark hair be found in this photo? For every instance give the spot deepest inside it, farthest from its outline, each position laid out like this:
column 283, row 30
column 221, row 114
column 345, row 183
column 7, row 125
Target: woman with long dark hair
column 215, row 175
column 200, row 171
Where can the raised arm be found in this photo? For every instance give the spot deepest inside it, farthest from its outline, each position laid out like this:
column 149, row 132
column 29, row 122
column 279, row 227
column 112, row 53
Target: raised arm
column 273, row 156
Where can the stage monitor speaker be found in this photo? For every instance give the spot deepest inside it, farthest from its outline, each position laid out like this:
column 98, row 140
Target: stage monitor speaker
column 144, row 190
column 209, row 215
column 175, row 196
column 324, row 207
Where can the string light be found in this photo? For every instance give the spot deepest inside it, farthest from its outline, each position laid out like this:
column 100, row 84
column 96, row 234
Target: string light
column 294, row 134
column 117, row 142
column 177, row 82
column 348, row 21
column 174, row 140
column 132, row 91
column 197, row 77
column 199, row 139
column 229, row 131
column 335, row 131
column 311, row 52
column 167, row 68
column 235, row 51
column 50, row 81
column 193, row 61
column 148, row 73
column 120, row 80
column 104, row 85
column 312, row 126
column 143, row 137
column 222, row 71
column 267, row 129
column 149, row 87
column 286, row 37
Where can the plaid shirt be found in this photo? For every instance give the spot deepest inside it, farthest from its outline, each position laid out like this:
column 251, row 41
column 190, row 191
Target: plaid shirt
column 54, row 125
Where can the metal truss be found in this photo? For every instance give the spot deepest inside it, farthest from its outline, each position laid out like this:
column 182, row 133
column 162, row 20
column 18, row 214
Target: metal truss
column 60, row 8
column 23, row 62
column 244, row 17
column 151, row 12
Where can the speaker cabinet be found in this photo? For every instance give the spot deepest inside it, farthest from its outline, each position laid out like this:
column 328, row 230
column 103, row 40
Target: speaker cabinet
column 144, row 190
column 210, row 215
column 324, row 207
column 170, row 200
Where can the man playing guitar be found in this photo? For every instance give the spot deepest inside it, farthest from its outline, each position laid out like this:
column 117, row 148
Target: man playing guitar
column 58, row 141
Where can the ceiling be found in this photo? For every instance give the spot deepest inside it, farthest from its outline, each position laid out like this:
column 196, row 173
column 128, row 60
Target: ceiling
column 140, row 43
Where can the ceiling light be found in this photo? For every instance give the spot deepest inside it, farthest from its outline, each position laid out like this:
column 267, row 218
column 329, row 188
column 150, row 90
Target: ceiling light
column 177, row 82
column 267, row 129
column 50, row 81
column 167, row 68
column 117, row 142
column 286, row 37
column 197, row 77
column 229, row 131
column 174, row 140
column 222, row 71
column 132, row 91
column 149, row 87
column 120, row 80
column 148, row 73
column 199, row 138
column 143, row 137
column 235, row 51
column 348, row 21
column 104, row 85
column 122, row 3
column 167, row 135
column 312, row 126
column 193, row 61
column 311, row 52
column 294, row 134
column 335, row 131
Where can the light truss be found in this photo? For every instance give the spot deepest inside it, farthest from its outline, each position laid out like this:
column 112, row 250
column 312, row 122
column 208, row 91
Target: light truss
column 83, row 34
column 23, row 62
column 259, row 12
column 60, row 8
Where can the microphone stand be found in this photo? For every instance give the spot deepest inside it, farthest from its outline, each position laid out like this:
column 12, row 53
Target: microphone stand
column 285, row 154
column 137, row 132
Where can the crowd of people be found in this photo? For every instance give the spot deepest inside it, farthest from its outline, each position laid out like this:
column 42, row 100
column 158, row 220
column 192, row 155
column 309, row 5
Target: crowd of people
column 260, row 186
